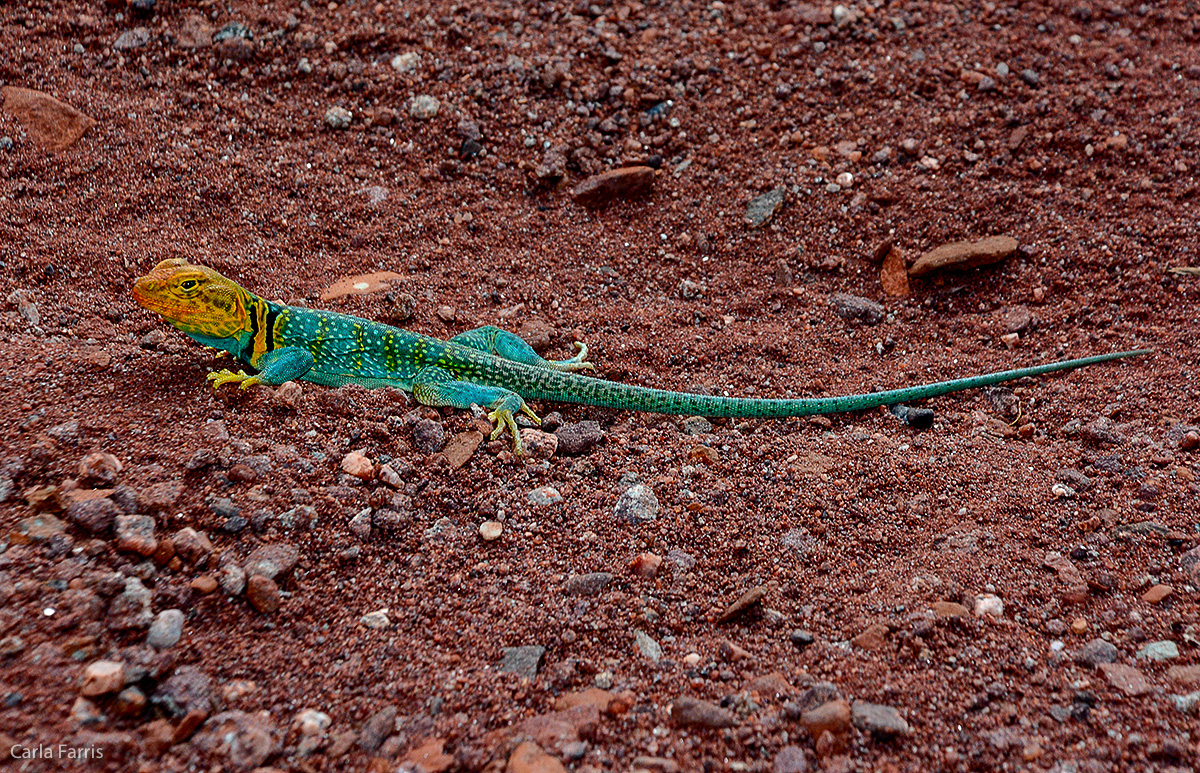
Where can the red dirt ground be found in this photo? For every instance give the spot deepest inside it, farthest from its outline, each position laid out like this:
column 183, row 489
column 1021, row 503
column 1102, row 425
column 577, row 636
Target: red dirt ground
column 1070, row 126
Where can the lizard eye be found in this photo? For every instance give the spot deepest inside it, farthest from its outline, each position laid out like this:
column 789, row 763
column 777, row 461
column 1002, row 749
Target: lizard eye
column 188, row 284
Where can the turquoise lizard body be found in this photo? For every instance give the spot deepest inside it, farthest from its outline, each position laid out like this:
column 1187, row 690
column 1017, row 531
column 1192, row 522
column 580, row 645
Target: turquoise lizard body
column 486, row 366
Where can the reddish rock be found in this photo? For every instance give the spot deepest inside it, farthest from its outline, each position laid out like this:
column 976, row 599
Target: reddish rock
column 626, row 183
column 645, row 565
column 748, row 600
column 873, row 639
column 692, row 712
column 528, row 757
column 429, row 757
column 964, row 255
column 460, row 448
column 832, row 717
column 1157, row 593
column 50, row 123
column 1127, row 679
column 263, row 594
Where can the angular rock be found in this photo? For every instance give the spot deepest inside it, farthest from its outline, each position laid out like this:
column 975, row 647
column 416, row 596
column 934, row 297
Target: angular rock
column 692, row 712
column 523, row 661
column 762, row 209
column 637, row 505
column 131, row 609
column 101, row 677
column 576, row 439
column 245, row 740
column 273, row 561
column 1097, row 651
column 135, row 534
column 461, row 448
column 95, row 515
column 192, row 546
column 791, row 759
column 879, row 720
column 1127, row 679
column 49, row 122
column 187, row 690
column 625, row 183
column 964, row 255
column 855, row 308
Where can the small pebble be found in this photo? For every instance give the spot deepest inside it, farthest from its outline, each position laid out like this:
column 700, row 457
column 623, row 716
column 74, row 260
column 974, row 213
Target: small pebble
column 101, row 677
column 545, row 496
column 647, row 646
column 263, row 594
column 377, row 620
column 882, row 721
column 490, row 531
column 692, row 712
column 358, row 465
column 989, row 605
column 338, row 118
column 523, row 661
column 423, row 107
column 166, row 629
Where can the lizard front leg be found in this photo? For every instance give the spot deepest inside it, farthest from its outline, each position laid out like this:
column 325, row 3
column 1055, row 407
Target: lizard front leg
column 274, row 367
column 511, row 346
column 438, row 386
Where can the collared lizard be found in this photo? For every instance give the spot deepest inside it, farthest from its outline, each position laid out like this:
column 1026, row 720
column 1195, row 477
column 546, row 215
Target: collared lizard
column 487, row 366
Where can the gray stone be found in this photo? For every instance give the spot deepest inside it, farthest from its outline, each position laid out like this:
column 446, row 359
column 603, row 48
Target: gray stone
column 166, row 629
column 637, row 505
column 576, row 439
column 762, row 208
column 1097, row 651
column 857, row 309
column 338, row 117
column 883, row 721
column 697, row 425
column 647, row 646
column 273, row 561
column 188, row 689
column 588, row 584
column 523, row 661
column 1159, row 650
column 545, row 496
column 131, row 609
column 429, row 436
column 95, row 515
column 423, row 107
column 377, row 728
column 1187, row 704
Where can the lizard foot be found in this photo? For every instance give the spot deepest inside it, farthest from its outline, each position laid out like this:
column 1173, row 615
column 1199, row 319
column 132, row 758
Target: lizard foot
column 503, row 417
column 227, row 376
column 577, row 362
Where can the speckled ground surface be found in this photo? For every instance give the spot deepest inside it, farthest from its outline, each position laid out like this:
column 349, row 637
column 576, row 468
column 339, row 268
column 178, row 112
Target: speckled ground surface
column 982, row 595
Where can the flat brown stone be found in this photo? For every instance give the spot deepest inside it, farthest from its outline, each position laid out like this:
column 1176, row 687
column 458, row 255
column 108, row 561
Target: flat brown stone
column 748, row 599
column 964, row 255
column 461, row 447
column 1189, row 675
column 361, row 284
column 1127, row 679
column 1157, row 594
column 625, row 183
column 52, row 124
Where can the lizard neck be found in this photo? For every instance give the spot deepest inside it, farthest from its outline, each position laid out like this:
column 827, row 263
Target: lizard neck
column 258, row 335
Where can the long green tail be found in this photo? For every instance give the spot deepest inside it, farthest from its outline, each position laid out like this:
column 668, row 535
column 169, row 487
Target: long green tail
column 536, row 383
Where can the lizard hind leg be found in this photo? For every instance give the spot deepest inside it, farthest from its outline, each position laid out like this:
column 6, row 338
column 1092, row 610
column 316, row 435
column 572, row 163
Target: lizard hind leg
column 510, row 346
column 438, row 386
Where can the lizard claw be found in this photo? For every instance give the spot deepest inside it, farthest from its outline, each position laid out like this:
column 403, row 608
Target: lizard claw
column 503, row 417
column 227, row 377
column 576, row 362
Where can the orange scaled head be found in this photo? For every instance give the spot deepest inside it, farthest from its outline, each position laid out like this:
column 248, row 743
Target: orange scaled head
column 195, row 299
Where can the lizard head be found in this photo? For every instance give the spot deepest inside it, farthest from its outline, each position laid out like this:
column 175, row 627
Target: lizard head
column 195, row 299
